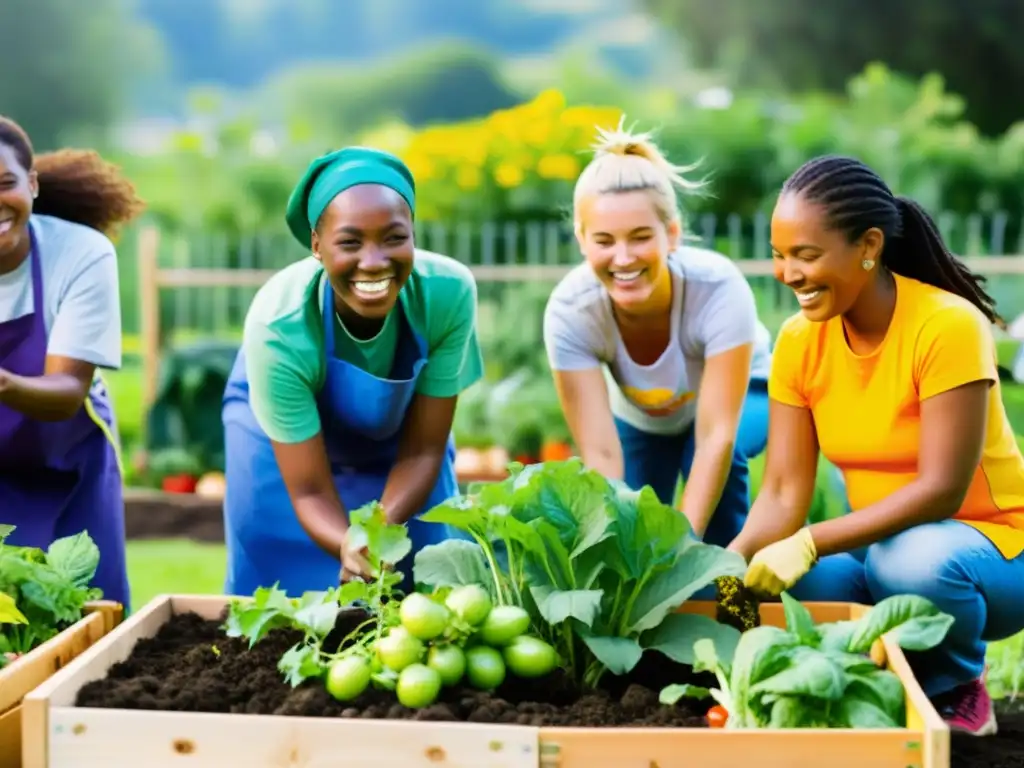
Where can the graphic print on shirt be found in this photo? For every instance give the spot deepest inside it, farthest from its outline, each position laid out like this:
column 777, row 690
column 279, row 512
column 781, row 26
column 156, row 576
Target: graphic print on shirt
column 657, row 401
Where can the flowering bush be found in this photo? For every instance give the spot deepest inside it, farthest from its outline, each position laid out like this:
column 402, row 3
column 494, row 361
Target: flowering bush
column 519, row 163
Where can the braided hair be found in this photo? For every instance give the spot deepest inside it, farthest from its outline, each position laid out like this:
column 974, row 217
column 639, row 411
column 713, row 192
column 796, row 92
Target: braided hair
column 855, row 199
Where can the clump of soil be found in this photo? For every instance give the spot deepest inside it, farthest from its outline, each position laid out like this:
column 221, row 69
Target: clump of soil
column 191, row 666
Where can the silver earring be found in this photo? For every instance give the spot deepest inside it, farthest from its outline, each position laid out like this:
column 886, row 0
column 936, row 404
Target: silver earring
column 867, row 264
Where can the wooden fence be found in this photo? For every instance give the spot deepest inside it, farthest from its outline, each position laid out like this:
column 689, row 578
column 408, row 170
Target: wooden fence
column 154, row 278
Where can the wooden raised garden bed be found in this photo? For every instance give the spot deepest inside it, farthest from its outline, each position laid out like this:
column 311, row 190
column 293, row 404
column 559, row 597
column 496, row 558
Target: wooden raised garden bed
column 59, row 734
column 22, row 676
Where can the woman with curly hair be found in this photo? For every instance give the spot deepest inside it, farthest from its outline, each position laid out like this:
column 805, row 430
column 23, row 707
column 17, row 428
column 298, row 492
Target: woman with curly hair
column 59, row 322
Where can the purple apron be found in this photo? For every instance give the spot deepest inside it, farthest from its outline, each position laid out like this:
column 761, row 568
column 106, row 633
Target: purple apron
column 60, row 478
column 361, row 418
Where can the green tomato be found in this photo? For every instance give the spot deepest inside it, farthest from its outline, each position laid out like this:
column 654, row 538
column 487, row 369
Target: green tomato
column 348, row 677
column 471, row 603
column 398, row 649
column 418, row 686
column 528, row 656
column 449, row 661
column 423, row 617
column 503, row 624
column 485, row 669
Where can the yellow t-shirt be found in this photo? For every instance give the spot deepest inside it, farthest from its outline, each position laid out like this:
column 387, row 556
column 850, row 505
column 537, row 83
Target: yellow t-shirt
column 867, row 410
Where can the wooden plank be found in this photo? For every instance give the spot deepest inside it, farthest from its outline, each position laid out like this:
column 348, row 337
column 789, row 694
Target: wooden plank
column 10, row 738
column 92, row 664
column 25, row 674
column 104, row 738
column 691, row 747
column 91, row 738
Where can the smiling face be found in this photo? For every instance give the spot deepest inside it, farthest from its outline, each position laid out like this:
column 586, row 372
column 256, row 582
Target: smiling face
column 18, row 186
column 819, row 263
column 365, row 242
column 627, row 244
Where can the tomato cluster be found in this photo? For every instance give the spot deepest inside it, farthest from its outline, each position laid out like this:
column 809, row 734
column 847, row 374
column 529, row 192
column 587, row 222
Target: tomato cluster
column 438, row 644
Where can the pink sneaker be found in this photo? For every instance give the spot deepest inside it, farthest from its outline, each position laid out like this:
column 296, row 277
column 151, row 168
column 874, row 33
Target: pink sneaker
column 968, row 709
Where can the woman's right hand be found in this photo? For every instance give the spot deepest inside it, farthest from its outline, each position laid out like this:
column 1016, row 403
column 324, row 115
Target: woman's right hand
column 354, row 565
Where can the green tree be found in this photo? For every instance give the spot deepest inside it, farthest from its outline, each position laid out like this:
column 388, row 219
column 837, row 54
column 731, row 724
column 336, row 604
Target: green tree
column 67, row 64
column 810, row 44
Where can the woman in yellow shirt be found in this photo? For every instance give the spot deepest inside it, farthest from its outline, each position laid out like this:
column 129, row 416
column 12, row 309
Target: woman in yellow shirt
column 889, row 369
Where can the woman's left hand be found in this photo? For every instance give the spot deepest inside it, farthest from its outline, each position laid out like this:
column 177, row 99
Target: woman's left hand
column 779, row 566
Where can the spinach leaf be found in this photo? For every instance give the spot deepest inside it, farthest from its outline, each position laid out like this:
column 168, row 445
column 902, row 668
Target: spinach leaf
column 599, row 567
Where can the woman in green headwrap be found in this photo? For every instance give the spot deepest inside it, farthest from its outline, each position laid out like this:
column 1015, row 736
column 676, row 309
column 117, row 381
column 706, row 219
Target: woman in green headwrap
column 345, row 387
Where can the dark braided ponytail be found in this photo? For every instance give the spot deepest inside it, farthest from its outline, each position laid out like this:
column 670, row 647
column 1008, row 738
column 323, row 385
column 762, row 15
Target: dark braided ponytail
column 856, row 199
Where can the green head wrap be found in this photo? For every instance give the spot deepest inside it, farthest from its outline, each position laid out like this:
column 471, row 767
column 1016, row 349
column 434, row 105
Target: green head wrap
column 330, row 175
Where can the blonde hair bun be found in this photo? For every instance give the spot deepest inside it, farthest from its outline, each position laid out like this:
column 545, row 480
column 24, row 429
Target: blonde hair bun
column 626, row 161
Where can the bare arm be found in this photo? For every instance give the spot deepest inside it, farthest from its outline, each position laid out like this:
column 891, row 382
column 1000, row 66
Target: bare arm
column 307, row 476
column 55, row 396
column 952, row 439
column 584, row 399
column 421, row 451
column 719, row 405
column 788, row 486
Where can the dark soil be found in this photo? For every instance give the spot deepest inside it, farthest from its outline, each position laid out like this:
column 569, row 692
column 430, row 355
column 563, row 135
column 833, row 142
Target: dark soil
column 1004, row 750
column 190, row 666
column 151, row 514
column 179, row 669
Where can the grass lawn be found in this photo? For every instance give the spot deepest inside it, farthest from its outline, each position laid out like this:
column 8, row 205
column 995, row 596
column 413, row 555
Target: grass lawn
column 186, row 567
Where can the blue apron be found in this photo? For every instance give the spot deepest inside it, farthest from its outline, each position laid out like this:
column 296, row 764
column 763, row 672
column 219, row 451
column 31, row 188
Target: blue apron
column 361, row 418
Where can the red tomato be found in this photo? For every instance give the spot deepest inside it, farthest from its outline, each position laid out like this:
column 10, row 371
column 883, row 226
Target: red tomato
column 717, row 716
column 182, row 483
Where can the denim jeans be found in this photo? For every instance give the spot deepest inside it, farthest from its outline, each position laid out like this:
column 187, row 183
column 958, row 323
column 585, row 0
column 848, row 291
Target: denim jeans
column 952, row 565
column 657, row 460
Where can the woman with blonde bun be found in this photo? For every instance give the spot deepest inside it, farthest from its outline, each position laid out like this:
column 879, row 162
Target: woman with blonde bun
column 658, row 356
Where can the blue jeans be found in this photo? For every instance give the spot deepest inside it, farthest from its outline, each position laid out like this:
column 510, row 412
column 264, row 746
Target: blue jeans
column 950, row 564
column 657, row 460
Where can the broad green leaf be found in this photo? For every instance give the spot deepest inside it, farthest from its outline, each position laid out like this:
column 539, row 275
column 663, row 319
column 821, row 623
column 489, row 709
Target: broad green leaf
column 835, row 636
column 299, row 663
column 799, row 620
column 760, row 653
column 9, row 613
column 918, row 623
column 558, row 605
column 856, row 712
column 671, row 694
column 705, row 656
column 676, row 635
column 810, row 673
column 555, row 553
column 452, row 563
column 353, row 591
column 792, row 712
column 698, row 566
column 881, row 687
column 76, row 558
column 5, row 531
column 317, row 612
column 618, row 654
column 460, row 512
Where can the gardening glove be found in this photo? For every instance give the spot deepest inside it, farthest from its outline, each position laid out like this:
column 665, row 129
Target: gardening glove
column 354, row 565
column 779, row 566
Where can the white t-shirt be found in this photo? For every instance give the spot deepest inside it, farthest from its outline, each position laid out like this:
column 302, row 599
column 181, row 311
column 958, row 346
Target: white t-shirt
column 713, row 311
column 81, row 297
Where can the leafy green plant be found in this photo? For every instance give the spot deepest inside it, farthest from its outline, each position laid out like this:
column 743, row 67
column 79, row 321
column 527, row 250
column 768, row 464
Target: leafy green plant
column 413, row 645
column 599, row 568
column 815, row 675
column 43, row 592
column 316, row 613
